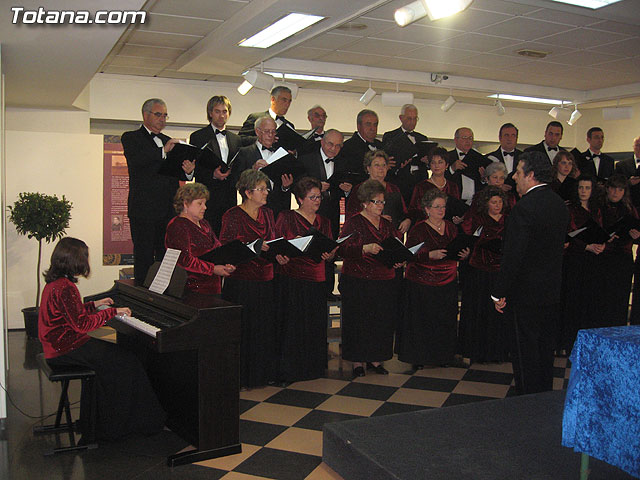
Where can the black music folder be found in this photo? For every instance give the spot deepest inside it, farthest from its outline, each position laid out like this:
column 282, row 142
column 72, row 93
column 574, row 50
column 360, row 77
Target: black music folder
column 224, row 167
column 458, row 244
column 233, row 253
column 181, row 151
column 621, row 227
column 353, row 178
column 494, row 245
column 455, row 207
column 292, row 248
column 281, row 162
column 289, row 139
column 394, row 251
column 320, row 244
column 590, row 233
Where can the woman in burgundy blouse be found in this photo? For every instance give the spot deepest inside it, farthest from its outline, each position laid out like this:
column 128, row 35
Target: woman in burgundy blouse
column 427, row 333
column 582, row 275
column 193, row 236
column 251, row 284
column 125, row 402
column 482, row 330
column 302, row 304
column 369, row 292
column 617, row 258
column 495, row 173
column 377, row 165
column 438, row 164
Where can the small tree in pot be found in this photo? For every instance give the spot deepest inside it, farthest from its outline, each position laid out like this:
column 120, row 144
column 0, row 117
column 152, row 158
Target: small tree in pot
column 43, row 217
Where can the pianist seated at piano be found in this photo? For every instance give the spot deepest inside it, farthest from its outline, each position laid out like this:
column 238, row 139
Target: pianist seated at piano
column 251, row 284
column 125, row 401
column 193, row 236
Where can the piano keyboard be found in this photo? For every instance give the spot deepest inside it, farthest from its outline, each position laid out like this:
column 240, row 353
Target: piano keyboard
column 144, row 327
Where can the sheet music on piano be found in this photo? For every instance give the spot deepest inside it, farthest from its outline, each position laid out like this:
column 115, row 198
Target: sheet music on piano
column 163, row 277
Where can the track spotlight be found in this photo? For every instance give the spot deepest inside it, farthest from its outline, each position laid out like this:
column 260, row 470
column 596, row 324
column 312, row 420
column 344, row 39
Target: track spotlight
column 448, row 104
column 499, row 107
column 575, row 116
column 396, row 99
column 410, row 13
column 368, row 96
column 253, row 78
column 561, row 114
column 435, row 9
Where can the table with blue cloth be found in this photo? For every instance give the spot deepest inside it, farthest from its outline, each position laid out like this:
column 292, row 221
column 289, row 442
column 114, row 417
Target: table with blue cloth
column 602, row 406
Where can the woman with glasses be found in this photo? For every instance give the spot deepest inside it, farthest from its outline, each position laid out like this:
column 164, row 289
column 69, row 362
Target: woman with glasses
column 301, row 294
column 190, row 233
column 251, row 284
column 564, row 173
column 376, row 164
column 427, row 333
column 369, row 292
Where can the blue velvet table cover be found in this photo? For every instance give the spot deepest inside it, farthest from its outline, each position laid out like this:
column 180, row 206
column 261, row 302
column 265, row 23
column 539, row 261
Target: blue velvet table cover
column 602, row 406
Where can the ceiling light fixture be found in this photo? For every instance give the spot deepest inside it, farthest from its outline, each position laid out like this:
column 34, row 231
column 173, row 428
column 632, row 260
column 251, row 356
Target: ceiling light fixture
column 291, row 86
column 593, row 4
column 434, row 9
column 310, row 78
column 367, row 96
column 522, row 98
column 448, row 104
column 575, row 116
column 561, row 113
column 253, row 78
column 278, row 31
column 500, row 110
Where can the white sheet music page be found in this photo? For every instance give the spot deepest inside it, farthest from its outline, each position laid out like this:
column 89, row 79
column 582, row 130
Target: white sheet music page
column 163, row 277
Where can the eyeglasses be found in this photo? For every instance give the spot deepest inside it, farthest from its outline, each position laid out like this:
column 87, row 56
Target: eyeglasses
column 315, row 197
column 261, row 189
column 268, row 132
column 158, row 115
column 377, row 202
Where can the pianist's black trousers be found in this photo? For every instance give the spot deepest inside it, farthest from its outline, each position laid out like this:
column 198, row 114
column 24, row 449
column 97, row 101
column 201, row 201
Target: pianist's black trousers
column 125, row 401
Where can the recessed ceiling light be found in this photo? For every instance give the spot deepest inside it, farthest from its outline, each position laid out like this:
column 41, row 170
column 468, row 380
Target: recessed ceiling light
column 593, row 4
column 351, row 27
column 311, row 78
column 283, row 28
column 521, row 98
column 532, row 53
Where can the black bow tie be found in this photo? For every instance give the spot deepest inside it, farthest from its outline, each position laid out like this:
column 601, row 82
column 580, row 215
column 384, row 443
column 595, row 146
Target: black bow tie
column 267, row 148
column 279, row 117
column 408, row 133
column 552, row 148
column 153, row 135
column 461, row 154
column 595, row 156
column 221, row 132
column 328, row 160
column 507, row 154
column 318, row 135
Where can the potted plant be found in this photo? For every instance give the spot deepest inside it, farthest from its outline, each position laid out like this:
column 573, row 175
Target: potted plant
column 43, row 217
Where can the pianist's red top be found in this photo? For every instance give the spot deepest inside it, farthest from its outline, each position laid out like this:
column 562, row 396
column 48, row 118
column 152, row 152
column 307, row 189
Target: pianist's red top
column 193, row 240
column 290, row 225
column 64, row 320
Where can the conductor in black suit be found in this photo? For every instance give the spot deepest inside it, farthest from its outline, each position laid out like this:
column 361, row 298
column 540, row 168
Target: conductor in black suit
column 630, row 168
column 150, row 204
column 280, row 103
column 466, row 164
column 593, row 162
column 401, row 144
column 361, row 142
column 211, row 168
column 550, row 146
column 255, row 156
column 528, row 286
column 507, row 152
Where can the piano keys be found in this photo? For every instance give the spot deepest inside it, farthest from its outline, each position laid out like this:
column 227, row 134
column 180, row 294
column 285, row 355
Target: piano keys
column 190, row 348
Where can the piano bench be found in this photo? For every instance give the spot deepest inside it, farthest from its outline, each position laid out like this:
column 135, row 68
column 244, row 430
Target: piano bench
column 64, row 375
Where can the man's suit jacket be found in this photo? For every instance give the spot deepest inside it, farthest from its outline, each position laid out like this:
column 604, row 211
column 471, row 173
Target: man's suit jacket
column 150, row 193
column 497, row 154
column 627, row 167
column 330, row 205
column 588, row 167
column 397, row 145
column 539, row 147
column 277, row 200
column 531, row 264
column 248, row 127
column 353, row 152
column 222, row 192
column 474, row 161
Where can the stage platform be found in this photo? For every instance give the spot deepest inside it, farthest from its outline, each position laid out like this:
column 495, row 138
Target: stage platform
column 511, row 438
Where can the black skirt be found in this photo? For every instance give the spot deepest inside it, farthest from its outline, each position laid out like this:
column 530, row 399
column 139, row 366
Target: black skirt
column 258, row 343
column 369, row 314
column 617, row 276
column 428, row 333
column 125, row 401
column 482, row 331
column 302, row 313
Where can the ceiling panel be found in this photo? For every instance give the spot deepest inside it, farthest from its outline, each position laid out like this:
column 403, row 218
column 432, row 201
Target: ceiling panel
column 468, row 21
column 163, row 39
column 419, row 34
column 381, row 47
column 352, row 58
column 627, row 48
column 551, row 50
column 178, row 24
column 147, row 72
column 564, row 18
column 439, row 54
column 500, row 6
column 584, row 58
column 143, row 62
column 218, row 9
column 412, row 64
column 331, row 41
column 149, row 51
column 627, row 65
column 477, row 42
column 617, row 27
column 374, row 27
column 584, row 38
column 523, row 28
column 488, row 60
column 304, row 53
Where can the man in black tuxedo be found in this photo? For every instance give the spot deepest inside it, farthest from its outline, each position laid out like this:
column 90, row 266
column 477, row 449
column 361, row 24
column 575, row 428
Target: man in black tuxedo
column 317, row 117
column 630, row 168
column 150, row 204
column 256, row 155
column 280, row 103
column 401, row 144
column 211, row 167
column 528, row 286
column 362, row 141
column 507, row 152
column 551, row 143
column 593, row 162
column 466, row 165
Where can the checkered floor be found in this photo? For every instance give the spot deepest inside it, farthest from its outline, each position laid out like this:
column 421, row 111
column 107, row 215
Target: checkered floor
column 281, row 428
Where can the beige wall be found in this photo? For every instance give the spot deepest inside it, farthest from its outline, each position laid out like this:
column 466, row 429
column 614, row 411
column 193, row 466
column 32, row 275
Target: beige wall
column 53, row 152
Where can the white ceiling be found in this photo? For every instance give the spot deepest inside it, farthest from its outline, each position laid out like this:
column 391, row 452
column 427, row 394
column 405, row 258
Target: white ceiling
column 593, row 56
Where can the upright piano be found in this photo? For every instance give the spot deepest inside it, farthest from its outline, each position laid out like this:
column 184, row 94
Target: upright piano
column 190, row 348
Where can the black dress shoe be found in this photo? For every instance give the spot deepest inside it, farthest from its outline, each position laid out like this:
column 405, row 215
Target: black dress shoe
column 358, row 372
column 378, row 369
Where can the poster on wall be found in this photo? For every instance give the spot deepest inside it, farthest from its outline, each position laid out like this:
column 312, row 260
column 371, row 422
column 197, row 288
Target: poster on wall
column 117, row 247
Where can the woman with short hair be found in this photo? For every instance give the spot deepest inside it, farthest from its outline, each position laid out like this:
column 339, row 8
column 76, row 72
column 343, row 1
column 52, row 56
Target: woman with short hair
column 564, row 172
